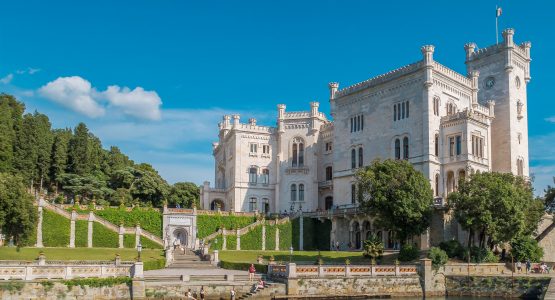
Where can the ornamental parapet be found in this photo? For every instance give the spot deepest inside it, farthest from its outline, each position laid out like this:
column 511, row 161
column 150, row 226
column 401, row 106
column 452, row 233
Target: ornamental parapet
column 293, row 270
column 481, row 115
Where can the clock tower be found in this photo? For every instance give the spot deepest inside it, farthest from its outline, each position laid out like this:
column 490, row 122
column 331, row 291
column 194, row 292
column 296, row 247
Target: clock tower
column 504, row 75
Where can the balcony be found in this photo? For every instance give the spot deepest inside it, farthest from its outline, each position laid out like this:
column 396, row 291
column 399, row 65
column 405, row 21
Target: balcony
column 297, row 170
column 325, row 184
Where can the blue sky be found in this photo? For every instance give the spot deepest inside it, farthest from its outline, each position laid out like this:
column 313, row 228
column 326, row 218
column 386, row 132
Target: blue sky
column 155, row 77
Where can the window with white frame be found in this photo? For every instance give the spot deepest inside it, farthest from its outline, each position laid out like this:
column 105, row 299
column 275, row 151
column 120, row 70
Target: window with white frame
column 253, row 205
column 252, row 175
column 298, row 153
column 253, row 148
column 301, row 192
column 265, row 149
column 265, row 176
column 436, row 106
column 478, row 146
column 293, row 192
column 455, row 145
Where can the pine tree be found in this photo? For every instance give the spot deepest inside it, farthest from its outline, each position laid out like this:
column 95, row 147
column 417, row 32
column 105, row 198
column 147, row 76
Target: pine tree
column 78, row 154
column 26, row 151
column 44, row 139
column 10, row 123
column 59, row 154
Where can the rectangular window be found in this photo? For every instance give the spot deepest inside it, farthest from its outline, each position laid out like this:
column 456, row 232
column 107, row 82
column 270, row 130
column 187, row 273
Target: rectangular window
column 328, row 146
column 254, row 148
column 352, row 127
column 459, row 145
column 403, row 110
column 451, row 146
column 329, row 173
column 362, row 122
column 252, row 175
column 407, row 109
column 395, row 112
column 266, row 149
column 398, row 111
column 265, row 176
column 252, row 204
column 353, row 194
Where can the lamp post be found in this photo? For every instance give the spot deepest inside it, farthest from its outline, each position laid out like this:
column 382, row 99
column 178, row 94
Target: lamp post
column 290, row 253
column 139, row 250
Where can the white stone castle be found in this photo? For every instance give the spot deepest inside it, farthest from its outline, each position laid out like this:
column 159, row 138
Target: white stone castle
column 446, row 124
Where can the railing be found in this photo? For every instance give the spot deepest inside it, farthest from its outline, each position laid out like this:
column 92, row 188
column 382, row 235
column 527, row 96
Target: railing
column 292, row 270
column 64, row 270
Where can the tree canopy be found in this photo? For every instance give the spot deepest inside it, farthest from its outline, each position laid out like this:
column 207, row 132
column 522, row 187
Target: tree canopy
column 399, row 196
column 18, row 216
column 499, row 206
column 549, row 198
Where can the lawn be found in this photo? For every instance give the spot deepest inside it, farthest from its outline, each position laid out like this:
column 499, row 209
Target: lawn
column 304, row 257
column 29, row 254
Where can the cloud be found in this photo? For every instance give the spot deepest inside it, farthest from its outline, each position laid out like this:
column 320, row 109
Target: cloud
column 7, row 79
column 137, row 103
column 74, row 93
column 78, row 94
column 550, row 119
column 29, row 71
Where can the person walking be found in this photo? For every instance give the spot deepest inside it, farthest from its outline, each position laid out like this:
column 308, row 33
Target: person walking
column 252, row 270
column 189, row 295
column 528, row 266
column 518, row 266
column 232, row 293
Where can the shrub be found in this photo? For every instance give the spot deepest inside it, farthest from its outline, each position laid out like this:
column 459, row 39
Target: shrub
column 373, row 247
column 453, row 248
column 438, row 256
column 243, row 266
column 408, row 253
column 270, row 237
column 481, row 255
column 523, row 248
column 286, row 236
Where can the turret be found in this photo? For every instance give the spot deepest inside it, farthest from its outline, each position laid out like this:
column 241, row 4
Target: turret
column 428, row 59
column 314, row 115
column 474, row 75
column 281, row 116
column 333, row 86
column 236, row 121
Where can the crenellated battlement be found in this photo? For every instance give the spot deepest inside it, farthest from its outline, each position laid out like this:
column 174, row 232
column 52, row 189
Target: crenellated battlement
column 302, row 115
column 404, row 70
column 452, row 74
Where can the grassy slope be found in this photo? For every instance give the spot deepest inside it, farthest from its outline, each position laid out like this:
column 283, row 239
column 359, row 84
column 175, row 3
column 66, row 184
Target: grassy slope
column 10, row 253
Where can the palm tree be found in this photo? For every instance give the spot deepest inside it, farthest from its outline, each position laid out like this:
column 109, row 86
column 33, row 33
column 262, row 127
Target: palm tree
column 373, row 247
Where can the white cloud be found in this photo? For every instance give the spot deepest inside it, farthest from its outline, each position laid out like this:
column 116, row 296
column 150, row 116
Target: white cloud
column 550, row 119
column 74, row 93
column 79, row 95
column 137, row 103
column 7, row 79
column 29, row 71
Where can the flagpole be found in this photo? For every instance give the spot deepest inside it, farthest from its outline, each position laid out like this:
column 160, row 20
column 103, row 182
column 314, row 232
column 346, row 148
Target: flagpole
column 496, row 25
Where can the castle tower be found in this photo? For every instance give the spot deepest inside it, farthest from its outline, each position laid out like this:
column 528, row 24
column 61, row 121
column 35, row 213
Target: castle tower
column 504, row 73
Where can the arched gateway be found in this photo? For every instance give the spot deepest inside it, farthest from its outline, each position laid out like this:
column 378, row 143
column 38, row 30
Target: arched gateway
column 180, row 225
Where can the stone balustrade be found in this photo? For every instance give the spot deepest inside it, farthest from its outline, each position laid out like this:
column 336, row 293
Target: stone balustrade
column 292, row 270
column 41, row 269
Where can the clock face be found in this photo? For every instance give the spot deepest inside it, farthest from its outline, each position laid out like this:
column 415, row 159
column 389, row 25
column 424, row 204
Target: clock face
column 490, row 82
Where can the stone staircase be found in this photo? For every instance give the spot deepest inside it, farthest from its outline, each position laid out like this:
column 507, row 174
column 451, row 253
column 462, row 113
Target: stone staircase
column 268, row 290
column 189, row 260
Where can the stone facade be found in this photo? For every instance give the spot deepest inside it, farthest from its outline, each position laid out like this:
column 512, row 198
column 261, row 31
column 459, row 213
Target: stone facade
column 448, row 125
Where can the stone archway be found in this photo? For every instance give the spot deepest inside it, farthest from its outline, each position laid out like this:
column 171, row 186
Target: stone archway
column 182, row 236
column 217, row 203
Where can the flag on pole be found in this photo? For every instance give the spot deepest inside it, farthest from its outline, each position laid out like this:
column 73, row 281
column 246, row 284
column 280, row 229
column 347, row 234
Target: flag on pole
column 498, row 12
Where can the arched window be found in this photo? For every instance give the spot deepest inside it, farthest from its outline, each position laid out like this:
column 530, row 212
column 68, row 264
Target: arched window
column 253, row 204
column 397, row 149
column 353, row 158
column 301, row 192
column 436, row 184
column 265, row 207
column 436, row 145
column 436, row 106
column 294, row 162
column 265, row 176
column 252, row 175
column 519, row 167
column 360, row 154
column 406, row 148
column 293, row 192
column 329, row 173
column 353, row 194
column 301, row 154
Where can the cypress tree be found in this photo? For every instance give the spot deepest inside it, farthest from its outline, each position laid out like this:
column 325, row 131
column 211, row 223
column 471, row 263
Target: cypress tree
column 78, row 154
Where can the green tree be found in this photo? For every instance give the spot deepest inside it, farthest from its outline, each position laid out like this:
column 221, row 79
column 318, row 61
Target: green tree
column 87, row 187
column 399, row 196
column 18, row 216
column 79, row 153
column 499, row 206
column 526, row 247
column 150, row 186
column 44, row 140
column 59, row 154
column 11, row 112
column 184, row 194
column 116, row 160
column 549, row 198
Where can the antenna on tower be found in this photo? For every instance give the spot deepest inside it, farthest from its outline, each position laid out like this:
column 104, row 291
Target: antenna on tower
column 498, row 12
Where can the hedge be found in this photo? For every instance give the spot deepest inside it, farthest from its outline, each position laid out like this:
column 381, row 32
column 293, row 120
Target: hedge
column 243, row 266
column 285, row 236
column 316, row 234
column 81, row 233
column 252, row 240
column 150, row 219
column 128, row 241
column 216, row 244
column 231, row 242
column 55, row 229
column 270, row 237
column 104, row 237
column 154, row 264
column 208, row 224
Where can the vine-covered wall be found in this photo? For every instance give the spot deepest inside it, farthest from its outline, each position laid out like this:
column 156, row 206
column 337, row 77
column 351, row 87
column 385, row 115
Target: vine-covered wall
column 55, row 230
column 208, row 224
